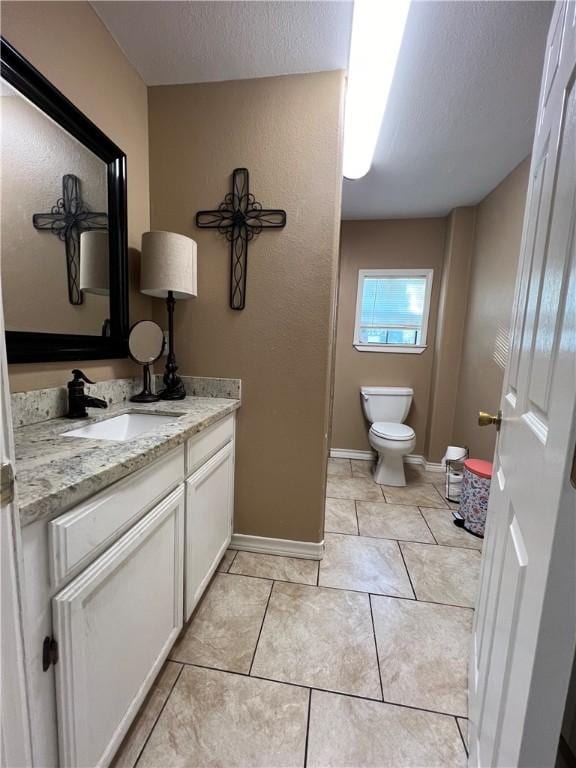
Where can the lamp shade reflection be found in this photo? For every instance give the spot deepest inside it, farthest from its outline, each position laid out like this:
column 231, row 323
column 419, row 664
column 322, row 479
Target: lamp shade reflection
column 94, row 263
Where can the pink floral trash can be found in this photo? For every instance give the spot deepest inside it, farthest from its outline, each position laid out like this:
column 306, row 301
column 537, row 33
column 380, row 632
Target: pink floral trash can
column 474, row 496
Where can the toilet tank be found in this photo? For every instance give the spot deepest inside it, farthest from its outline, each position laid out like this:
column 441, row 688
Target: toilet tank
column 386, row 403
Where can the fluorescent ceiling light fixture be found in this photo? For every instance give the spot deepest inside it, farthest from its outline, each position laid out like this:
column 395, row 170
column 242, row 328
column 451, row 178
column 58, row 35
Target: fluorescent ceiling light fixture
column 377, row 31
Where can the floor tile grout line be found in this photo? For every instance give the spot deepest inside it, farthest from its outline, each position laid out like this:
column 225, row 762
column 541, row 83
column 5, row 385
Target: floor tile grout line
column 271, row 578
column 427, row 524
column 434, row 543
column 376, row 646
column 285, row 556
column 390, row 538
column 348, row 589
column 308, row 728
column 408, row 572
column 461, row 734
column 162, row 708
column 357, row 518
column 261, row 626
column 385, row 501
column 415, row 600
column 447, row 546
column 357, row 696
column 232, row 561
column 452, row 546
column 404, row 504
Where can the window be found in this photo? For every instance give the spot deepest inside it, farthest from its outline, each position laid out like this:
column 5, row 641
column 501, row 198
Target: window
column 392, row 310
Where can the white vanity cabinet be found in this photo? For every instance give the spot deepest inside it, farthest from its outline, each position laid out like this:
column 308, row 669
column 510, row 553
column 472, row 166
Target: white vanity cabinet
column 111, row 582
column 209, row 507
column 115, row 625
column 209, row 503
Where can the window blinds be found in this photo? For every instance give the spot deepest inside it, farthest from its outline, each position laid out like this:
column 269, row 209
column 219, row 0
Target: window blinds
column 393, row 303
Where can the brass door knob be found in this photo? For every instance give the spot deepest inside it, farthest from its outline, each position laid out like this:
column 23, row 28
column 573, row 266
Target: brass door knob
column 485, row 419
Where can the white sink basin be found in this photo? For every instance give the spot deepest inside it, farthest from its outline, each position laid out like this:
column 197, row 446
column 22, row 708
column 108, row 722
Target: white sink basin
column 122, row 428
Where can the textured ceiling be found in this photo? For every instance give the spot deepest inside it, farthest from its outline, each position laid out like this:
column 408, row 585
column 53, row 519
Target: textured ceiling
column 197, row 42
column 463, row 103
column 461, row 111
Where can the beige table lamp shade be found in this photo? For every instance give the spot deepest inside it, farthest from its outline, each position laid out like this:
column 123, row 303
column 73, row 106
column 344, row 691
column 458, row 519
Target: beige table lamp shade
column 168, row 264
column 94, row 267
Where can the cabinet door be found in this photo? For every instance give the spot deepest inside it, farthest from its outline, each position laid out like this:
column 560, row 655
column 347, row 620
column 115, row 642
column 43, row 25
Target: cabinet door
column 209, row 505
column 115, row 624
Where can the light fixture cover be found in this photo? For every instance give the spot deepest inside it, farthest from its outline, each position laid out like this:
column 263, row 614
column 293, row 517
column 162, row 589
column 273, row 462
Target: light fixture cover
column 168, row 263
column 377, row 32
column 94, row 262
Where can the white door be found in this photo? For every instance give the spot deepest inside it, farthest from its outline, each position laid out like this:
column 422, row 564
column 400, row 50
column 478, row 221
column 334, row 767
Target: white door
column 209, row 504
column 525, row 625
column 115, row 625
column 15, row 744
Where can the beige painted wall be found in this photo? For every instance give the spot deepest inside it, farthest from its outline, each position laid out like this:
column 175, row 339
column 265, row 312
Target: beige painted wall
column 69, row 44
column 410, row 243
column 287, row 132
column 475, row 254
column 458, row 255
column 493, row 275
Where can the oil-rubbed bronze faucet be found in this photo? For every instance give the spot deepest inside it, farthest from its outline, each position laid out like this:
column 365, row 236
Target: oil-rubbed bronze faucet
column 78, row 401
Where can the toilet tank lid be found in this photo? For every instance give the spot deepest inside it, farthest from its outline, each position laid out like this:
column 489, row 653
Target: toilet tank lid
column 386, row 391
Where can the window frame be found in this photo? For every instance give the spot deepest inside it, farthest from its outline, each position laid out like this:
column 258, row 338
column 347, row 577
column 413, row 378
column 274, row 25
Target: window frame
column 428, row 274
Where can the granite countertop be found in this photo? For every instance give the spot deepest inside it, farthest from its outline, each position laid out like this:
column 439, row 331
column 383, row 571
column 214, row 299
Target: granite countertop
column 54, row 473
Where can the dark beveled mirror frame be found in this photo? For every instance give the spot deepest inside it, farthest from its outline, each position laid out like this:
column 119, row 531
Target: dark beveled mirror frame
column 29, row 347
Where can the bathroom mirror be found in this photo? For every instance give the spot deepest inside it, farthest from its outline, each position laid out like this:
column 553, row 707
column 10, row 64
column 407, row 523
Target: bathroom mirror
column 146, row 345
column 63, row 237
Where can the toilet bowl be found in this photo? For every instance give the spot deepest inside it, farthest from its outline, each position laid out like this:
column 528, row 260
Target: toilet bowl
column 386, row 408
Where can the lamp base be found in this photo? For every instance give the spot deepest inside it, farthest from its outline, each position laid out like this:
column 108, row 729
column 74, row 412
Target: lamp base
column 145, row 397
column 173, row 387
column 174, row 391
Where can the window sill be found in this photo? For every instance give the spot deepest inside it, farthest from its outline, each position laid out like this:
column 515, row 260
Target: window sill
column 412, row 349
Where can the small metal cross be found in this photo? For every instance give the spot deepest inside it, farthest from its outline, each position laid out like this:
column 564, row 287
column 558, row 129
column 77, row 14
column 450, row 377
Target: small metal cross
column 240, row 218
column 67, row 219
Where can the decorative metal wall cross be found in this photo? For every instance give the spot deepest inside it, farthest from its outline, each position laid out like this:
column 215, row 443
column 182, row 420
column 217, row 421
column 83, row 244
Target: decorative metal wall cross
column 240, row 218
column 67, row 219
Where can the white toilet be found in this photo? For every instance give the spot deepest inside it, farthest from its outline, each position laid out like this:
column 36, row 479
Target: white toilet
column 386, row 408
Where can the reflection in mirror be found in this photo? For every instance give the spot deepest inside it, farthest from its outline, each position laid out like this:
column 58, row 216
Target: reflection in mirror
column 146, row 345
column 54, row 238
column 94, row 263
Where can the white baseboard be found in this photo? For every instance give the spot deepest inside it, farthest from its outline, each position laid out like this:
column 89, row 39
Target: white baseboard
column 429, row 466
column 343, row 453
column 435, row 466
column 308, row 550
column 413, row 458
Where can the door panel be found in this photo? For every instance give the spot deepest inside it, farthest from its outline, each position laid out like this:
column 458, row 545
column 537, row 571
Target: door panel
column 525, row 623
column 115, row 624
column 552, row 57
column 209, row 504
column 536, row 201
column 504, row 636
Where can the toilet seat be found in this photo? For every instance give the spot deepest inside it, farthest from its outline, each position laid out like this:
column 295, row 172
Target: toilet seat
column 389, row 430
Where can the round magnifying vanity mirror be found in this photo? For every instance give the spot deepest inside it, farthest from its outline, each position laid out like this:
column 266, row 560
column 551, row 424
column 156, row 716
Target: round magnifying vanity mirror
column 145, row 346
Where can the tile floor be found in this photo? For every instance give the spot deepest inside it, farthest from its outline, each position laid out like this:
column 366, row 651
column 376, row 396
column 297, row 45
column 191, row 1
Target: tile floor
column 357, row 661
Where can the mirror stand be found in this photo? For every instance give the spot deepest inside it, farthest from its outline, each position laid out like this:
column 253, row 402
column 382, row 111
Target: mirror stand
column 146, row 396
column 145, row 346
